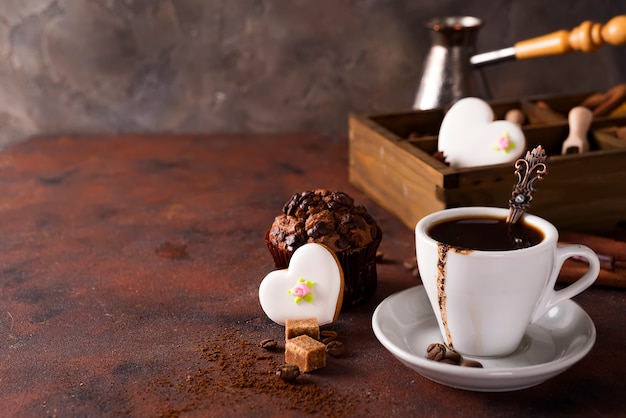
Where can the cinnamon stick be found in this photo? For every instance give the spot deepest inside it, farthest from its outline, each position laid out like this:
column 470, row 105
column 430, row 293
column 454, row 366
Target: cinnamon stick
column 573, row 271
column 599, row 244
column 612, row 254
column 607, row 262
column 540, row 113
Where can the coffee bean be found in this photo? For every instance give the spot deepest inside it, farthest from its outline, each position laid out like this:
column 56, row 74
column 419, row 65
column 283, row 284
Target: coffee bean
column 471, row 363
column 328, row 333
column 335, row 348
column 436, row 352
column 454, row 356
column 288, row 372
column 268, row 344
column 441, row 353
column 327, row 340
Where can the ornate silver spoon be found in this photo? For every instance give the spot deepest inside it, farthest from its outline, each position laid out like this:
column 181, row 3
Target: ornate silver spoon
column 528, row 170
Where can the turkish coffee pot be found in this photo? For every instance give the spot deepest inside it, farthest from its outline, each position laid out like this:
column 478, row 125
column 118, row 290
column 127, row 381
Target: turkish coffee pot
column 452, row 68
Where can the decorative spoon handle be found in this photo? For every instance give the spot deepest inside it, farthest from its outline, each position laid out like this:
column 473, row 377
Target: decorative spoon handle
column 528, row 170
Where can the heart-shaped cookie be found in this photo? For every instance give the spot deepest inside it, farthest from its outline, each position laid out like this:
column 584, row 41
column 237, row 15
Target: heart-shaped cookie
column 311, row 287
column 469, row 137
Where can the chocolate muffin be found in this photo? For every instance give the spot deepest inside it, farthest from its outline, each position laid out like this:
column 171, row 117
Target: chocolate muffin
column 330, row 218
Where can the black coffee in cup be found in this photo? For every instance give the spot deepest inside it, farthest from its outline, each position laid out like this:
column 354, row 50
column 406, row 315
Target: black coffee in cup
column 485, row 233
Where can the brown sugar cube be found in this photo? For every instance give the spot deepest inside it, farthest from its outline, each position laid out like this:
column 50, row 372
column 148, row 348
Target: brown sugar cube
column 306, row 353
column 306, row 326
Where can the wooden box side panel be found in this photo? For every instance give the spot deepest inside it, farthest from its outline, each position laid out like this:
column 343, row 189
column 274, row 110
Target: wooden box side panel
column 392, row 172
column 485, row 186
column 411, row 124
column 585, row 193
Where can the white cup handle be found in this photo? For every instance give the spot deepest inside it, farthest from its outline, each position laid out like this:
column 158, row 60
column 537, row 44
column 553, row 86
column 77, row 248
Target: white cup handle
column 551, row 297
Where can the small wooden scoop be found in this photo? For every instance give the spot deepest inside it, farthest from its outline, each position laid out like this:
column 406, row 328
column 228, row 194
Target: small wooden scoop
column 579, row 122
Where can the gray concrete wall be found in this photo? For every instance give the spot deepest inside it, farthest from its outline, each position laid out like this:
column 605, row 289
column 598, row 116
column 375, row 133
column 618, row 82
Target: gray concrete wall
column 100, row 66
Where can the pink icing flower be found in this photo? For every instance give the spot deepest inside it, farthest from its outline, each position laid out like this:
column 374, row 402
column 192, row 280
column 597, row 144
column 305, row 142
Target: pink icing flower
column 301, row 290
column 503, row 142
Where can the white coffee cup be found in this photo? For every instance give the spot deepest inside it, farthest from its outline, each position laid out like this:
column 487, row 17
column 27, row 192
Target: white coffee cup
column 485, row 300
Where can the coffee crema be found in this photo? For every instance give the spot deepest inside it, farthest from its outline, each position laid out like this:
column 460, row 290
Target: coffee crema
column 485, row 233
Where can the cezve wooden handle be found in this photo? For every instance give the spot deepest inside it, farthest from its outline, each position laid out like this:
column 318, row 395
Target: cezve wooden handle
column 587, row 37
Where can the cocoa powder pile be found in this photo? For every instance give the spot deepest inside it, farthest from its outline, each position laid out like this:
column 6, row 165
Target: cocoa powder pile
column 240, row 373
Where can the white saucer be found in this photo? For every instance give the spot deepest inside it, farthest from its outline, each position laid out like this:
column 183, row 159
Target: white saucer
column 405, row 325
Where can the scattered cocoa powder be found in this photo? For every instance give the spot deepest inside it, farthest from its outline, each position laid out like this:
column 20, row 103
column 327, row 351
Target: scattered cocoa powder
column 235, row 371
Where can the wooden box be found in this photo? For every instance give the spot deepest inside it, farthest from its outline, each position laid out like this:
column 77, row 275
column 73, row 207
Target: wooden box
column 581, row 192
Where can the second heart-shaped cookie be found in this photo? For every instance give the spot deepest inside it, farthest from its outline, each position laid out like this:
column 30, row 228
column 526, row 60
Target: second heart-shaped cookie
column 311, row 287
column 469, row 137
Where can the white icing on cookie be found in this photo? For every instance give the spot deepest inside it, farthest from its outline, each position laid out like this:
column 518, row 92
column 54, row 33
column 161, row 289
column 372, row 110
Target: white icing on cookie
column 311, row 287
column 469, row 136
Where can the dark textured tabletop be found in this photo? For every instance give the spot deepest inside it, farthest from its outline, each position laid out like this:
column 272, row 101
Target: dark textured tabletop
column 130, row 268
